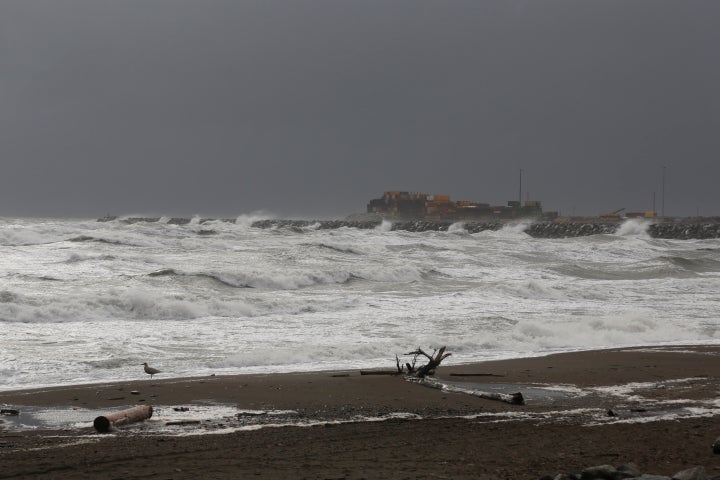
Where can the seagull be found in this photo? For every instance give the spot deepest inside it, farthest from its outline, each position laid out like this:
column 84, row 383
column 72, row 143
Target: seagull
column 150, row 370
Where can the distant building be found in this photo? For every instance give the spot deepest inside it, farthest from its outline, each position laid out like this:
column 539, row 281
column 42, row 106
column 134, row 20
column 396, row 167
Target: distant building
column 421, row 206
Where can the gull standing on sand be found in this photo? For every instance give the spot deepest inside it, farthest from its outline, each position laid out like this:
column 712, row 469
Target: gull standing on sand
column 150, row 370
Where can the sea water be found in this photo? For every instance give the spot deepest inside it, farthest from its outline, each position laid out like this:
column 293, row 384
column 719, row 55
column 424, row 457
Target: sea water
column 83, row 301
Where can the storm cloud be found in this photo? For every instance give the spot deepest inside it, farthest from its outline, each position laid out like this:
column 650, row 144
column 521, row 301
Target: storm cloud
column 312, row 107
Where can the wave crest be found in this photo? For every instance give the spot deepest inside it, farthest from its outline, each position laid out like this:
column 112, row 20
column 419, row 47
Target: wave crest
column 634, row 227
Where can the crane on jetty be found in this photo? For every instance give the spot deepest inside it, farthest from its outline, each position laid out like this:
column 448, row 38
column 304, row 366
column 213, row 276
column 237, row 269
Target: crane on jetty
column 615, row 214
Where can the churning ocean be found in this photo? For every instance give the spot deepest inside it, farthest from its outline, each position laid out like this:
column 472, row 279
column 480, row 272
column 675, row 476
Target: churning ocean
column 83, row 301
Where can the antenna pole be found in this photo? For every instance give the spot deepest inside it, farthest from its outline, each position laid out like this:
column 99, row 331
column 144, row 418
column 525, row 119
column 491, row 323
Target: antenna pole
column 520, row 192
column 663, row 192
column 654, row 210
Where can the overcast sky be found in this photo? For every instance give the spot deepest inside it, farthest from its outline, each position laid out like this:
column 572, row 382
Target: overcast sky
column 313, row 107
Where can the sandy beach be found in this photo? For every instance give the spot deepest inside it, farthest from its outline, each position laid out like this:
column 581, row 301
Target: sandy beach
column 654, row 407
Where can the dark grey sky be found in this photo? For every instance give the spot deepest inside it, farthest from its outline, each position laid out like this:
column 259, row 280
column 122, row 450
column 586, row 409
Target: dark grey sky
column 312, row 107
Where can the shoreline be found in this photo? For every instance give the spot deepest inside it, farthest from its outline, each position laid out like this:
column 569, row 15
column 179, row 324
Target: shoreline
column 663, row 399
column 447, row 366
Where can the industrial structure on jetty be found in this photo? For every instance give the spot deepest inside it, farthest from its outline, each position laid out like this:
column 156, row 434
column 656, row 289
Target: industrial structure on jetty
column 421, row 206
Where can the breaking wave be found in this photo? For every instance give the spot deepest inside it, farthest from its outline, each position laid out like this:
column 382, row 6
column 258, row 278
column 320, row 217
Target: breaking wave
column 634, row 228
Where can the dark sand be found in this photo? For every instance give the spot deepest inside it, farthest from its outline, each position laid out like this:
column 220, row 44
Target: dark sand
column 666, row 418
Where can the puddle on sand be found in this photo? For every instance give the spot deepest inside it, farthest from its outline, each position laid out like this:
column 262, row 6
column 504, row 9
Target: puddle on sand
column 165, row 419
column 191, row 419
column 35, row 418
column 531, row 393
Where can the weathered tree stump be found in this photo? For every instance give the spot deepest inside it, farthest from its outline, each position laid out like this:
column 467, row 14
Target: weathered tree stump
column 434, row 361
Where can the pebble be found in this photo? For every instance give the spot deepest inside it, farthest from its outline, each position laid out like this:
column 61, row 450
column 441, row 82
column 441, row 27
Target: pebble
column 630, row 471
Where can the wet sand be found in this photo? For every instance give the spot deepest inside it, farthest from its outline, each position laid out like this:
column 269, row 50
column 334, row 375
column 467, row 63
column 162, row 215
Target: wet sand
column 654, row 407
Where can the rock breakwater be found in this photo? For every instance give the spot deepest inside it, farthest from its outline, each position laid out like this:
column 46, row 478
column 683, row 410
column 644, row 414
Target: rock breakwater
column 677, row 231
column 685, row 231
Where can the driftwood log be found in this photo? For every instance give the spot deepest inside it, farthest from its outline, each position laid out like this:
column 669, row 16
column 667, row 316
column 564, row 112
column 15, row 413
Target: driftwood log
column 421, row 374
column 138, row 413
column 511, row 398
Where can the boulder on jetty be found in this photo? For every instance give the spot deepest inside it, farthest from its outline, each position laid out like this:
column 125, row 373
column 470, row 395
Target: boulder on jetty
column 569, row 229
